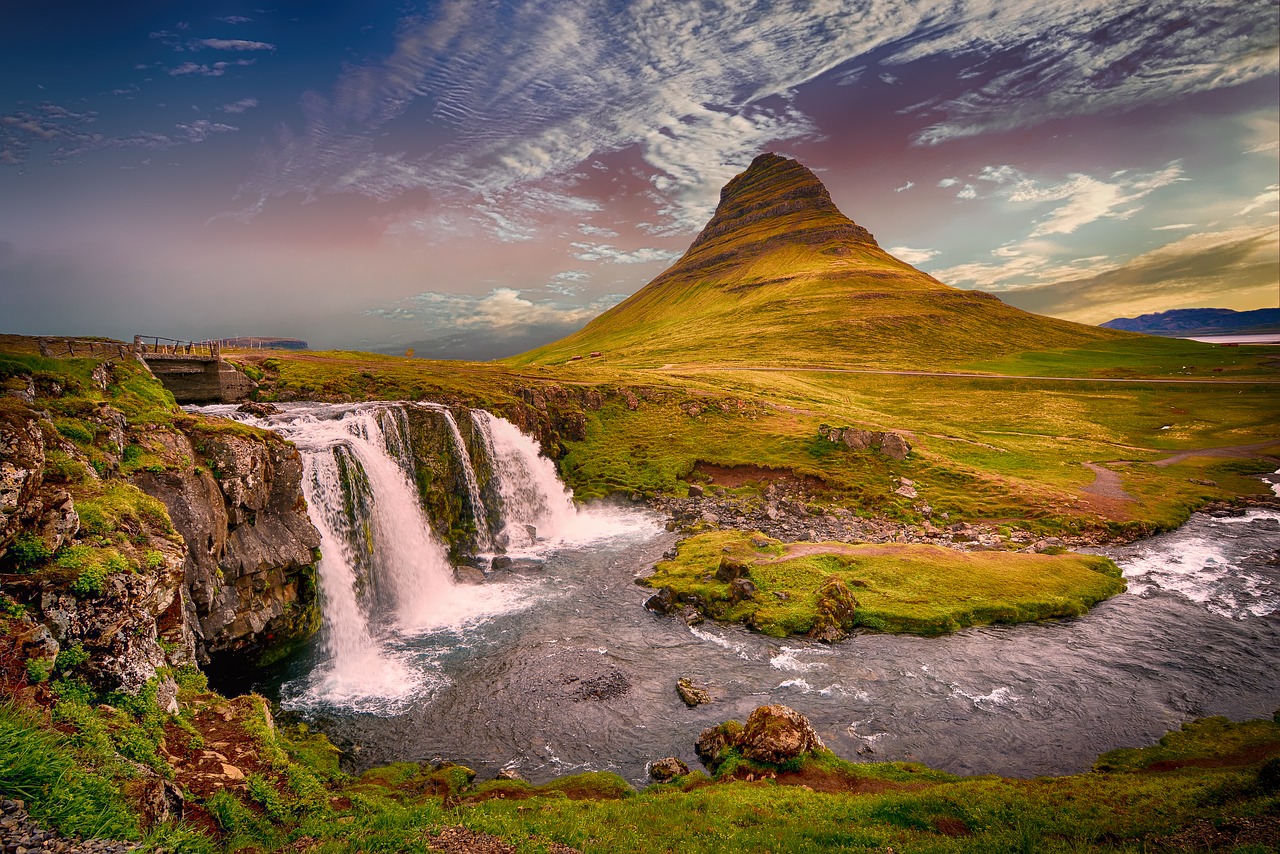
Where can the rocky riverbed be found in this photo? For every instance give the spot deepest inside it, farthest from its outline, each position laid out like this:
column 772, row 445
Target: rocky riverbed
column 20, row 834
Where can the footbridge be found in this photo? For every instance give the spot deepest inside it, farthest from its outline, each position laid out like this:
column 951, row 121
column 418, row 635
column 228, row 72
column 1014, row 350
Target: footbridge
column 193, row 371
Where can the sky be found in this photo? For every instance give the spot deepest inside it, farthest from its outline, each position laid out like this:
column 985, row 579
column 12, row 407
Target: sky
column 472, row 178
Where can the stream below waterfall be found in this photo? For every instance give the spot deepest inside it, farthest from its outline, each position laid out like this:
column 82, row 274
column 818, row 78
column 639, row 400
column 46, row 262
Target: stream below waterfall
column 556, row 667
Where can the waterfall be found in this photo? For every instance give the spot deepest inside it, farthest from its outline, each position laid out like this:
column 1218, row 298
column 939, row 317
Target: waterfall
column 528, row 489
column 385, row 578
column 484, row 540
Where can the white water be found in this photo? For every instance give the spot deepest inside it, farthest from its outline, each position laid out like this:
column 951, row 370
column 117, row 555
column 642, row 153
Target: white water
column 531, row 496
column 1207, row 565
column 385, row 578
column 484, row 541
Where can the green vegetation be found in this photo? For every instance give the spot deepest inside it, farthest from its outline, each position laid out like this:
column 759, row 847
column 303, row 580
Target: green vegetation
column 921, row 589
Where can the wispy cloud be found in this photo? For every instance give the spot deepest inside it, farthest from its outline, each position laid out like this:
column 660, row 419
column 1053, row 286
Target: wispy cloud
column 605, row 253
column 502, row 309
column 904, row 187
column 214, row 69
column 228, row 44
column 914, row 257
column 202, row 129
column 239, row 106
column 1231, row 268
column 234, row 19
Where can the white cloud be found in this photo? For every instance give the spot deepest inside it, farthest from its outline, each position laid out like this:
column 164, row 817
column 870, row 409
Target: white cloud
column 202, row 129
column 1268, row 198
column 904, row 187
column 968, row 191
column 234, row 19
column 605, row 253
column 914, row 257
column 501, row 310
column 216, row 69
column 596, row 231
column 948, row 182
column 229, row 44
column 1177, row 226
column 1086, row 199
column 240, row 106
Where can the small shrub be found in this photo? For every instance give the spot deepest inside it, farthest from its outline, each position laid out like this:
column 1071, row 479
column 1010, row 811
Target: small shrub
column 75, row 430
column 28, row 551
column 39, row 670
column 71, row 657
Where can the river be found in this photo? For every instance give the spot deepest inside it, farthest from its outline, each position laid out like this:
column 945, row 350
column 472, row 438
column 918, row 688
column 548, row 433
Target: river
column 557, row 667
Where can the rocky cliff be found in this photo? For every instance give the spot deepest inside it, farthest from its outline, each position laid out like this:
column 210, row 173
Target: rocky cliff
column 135, row 537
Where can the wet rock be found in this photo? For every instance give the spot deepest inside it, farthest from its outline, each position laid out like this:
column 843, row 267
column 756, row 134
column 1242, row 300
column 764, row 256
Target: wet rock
column 692, row 694
column 662, row 602
column 501, row 562
column 691, row 616
column 777, row 734
column 1048, row 543
column 665, row 770
column 714, row 743
column 509, row 774
column 259, row 410
column 695, row 491
column 836, row 610
column 468, row 575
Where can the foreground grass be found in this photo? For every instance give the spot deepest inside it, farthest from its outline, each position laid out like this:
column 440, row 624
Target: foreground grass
column 920, row 589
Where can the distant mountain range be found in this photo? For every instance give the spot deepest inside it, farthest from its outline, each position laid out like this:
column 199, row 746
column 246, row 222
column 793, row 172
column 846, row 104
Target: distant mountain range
column 1185, row 322
column 265, row 343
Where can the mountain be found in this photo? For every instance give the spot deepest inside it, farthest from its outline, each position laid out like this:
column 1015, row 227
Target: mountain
column 780, row 276
column 1183, row 322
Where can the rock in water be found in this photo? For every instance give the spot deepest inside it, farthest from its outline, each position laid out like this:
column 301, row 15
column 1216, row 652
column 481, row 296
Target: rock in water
column 665, row 770
column 692, row 694
column 776, row 734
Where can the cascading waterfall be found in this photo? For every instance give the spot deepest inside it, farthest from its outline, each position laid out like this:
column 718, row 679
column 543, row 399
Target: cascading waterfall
column 484, row 541
column 529, row 492
column 386, row 583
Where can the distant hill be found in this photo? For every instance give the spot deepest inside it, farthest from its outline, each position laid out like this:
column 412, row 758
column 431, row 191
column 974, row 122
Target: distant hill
column 265, row 343
column 1184, row 322
column 780, row 276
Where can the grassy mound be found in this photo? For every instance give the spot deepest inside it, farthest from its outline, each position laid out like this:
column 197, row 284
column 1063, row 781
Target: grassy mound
column 806, row 588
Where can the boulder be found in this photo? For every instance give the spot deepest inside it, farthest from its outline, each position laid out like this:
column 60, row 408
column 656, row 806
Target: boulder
column 730, row 570
column 501, row 562
column 741, row 589
column 662, row 602
column 692, row 694
column 835, row 613
column 776, row 734
column 665, row 770
column 894, row 446
column 468, row 575
column 695, row 491
column 714, row 743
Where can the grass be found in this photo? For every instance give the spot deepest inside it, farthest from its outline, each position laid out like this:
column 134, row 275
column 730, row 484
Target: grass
column 919, row 589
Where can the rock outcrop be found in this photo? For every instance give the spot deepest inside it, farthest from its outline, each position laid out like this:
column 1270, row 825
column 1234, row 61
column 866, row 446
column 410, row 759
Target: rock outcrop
column 118, row 584
column 250, row 568
column 773, row 735
column 892, row 445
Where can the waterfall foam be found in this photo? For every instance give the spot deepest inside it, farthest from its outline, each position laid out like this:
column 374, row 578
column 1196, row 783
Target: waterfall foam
column 534, row 508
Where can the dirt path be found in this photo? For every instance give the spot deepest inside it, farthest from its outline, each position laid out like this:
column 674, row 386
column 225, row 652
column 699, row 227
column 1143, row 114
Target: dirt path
column 1106, row 484
column 1237, row 451
column 965, row 375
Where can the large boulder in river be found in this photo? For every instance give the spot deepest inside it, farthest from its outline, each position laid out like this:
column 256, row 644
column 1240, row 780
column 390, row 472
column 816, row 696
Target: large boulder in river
column 777, row 734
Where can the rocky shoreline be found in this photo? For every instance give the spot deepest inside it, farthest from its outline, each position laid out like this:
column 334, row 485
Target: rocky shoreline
column 792, row 512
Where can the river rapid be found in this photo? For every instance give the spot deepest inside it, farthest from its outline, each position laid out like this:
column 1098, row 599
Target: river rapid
column 556, row 667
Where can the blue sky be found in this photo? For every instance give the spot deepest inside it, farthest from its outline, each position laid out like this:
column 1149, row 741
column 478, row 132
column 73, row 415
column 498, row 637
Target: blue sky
column 474, row 178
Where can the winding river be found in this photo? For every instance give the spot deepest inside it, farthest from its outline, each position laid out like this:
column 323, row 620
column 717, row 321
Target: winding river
column 556, row 667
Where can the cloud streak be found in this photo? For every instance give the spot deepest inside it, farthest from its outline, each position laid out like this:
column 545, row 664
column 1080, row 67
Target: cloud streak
column 698, row 88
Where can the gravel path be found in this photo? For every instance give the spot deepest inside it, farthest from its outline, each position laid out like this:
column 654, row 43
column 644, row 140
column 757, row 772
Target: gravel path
column 19, row 834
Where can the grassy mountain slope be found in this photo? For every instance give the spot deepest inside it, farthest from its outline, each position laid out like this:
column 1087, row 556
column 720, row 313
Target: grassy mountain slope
column 780, row 276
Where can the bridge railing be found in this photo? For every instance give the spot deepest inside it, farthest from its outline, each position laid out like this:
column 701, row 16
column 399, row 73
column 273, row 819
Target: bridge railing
column 55, row 347
column 157, row 345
